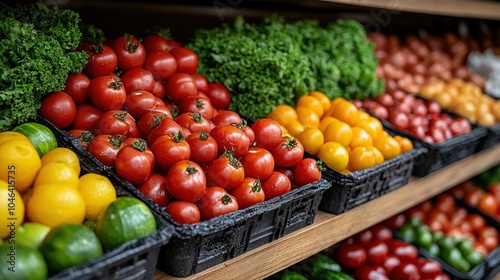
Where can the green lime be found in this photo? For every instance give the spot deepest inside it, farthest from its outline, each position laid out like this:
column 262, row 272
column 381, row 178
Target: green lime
column 434, row 250
column 438, row 235
column 465, row 246
column 446, row 242
column 31, row 234
column 474, row 258
column 463, row 266
column 424, row 239
column 414, row 222
column 68, row 245
column 454, row 258
column 23, row 262
column 408, row 233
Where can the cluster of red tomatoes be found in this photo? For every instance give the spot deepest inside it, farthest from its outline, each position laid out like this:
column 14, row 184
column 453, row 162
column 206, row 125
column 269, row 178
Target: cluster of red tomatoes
column 375, row 254
column 166, row 130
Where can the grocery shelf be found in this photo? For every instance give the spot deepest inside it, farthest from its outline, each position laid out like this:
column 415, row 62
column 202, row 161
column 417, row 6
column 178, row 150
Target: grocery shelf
column 457, row 8
column 329, row 229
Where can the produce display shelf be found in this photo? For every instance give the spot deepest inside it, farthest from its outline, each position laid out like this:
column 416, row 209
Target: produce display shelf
column 328, row 229
column 456, row 8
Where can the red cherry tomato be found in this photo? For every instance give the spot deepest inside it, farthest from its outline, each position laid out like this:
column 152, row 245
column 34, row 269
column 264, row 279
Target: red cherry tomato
column 155, row 42
column 248, row 193
column 275, row 185
column 219, row 95
column 102, row 60
column 194, row 122
column 369, row 272
column 58, row 108
column 149, row 121
column 184, row 212
column 404, row 251
column 107, row 93
column 180, row 86
column 364, row 237
column 376, row 252
column 201, row 82
column 428, row 268
column 215, row 202
column 197, row 104
column 405, row 271
column 186, row 181
column 156, row 189
column 139, row 103
column 105, row 147
column 130, row 52
column 225, row 117
column 135, row 162
column 169, row 149
column 187, row 60
column 258, row 163
column 225, row 172
column 350, row 256
column 76, row 86
column 159, row 90
column 395, row 221
column 288, row 153
column 268, row 134
column 161, row 63
column 230, row 138
column 87, row 116
column 203, row 148
column 390, row 262
column 137, row 79
column 166, row 127
column 114, row 122
column 307, row 171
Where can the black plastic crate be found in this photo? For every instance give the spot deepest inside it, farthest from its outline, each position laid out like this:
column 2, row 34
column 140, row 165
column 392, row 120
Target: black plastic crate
column 353, row 189
column 441, row 154
column 135, row 259
column 492, row 138
column 194, row 248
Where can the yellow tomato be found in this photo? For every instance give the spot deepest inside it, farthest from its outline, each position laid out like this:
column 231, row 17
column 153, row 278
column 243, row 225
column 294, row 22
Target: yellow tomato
column 11, row 209
column 62, row 155
column 19, row 161
column 325, row 121
column 294, row 127
column 360, row 138
column 372, row 126
column 311, row 138
column 361, row 158
column 338, row 132
column 323, row 99
column 404, row 142
column 334, row 155
column 57, row 172
column 379, row 157
column 308, row 101
column 334, row 103
column 307, row 117
column 347, row 112
column 363, row 116
column 283, row 114
column 387, row 146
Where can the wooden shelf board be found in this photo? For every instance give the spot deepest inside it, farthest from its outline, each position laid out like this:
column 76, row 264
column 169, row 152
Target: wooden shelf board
column 481, row 9
column 329, row 229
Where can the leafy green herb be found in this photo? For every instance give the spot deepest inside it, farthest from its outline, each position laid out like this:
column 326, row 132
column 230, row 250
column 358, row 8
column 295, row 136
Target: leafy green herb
column 36, row 56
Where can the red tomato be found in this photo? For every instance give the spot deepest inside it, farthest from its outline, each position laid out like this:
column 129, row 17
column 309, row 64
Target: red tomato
column 139, row 103
column 149, row 121
column 307, row 171
column 130, row 52
column 225, row 172
column 488, row 204
column 186, row 181
column 473, row 196
column 350, row 256
column 219, row 95
column 203, row 148
column 286, row 171
column 135, row 162
column 369, row 272
column 169, row 149
column 288, row 153
column 395, row 221
column 105, row 147
column 376, row 252
column 201, row 82
column 159, row 90
column 107, row 93
column 225, row 117
column 381, row 232
column 230, row 138
column 258, row 163
column 102, row 60
column 197, row 104
column 405, row 271
column 268, row 134
column 458, row 216
column 156, row 189
column 194, row 122
column 155, row 42
column 248, row 193
column 404, row 251
column 441, row 217
column 445, row 203
column 249, row 133
column 477, row 222
column 87, row 117
column 215, row 202
column 76, row 86
column 58, row 108
column 390, row 262
column 161, row 63
column 275, row 185
column 166, row 127
column 184, row 212
column 364, row 237
column 428, row 268
column 494, row 189
column 84, row 136
column 113, row 122
column 180, row 86
column 137, row 79
column 187, row 60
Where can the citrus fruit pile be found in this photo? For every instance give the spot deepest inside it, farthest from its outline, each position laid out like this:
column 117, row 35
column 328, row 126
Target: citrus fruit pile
column 51, row 211
column 344, row 137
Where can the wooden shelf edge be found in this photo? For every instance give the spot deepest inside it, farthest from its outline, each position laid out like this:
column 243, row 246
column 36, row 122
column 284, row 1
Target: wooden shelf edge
column 329, row 229
column 480, row 9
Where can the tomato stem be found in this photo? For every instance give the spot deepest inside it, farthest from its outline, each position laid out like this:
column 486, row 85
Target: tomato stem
column 242, row 124
column 204, row 136
column 191, row 170
column 178, row 137
column 139, row 144
column 174, row 110
column 115, row 84
column 226, row 199
column 86, row 136
column 96, row 48
column 156, row 120
column 197, row 117
column 199, row 104
column 290, row 143
column 129, row 46
column 121, row 115
column 257, row 186
column 320, row 165
column 116, row 140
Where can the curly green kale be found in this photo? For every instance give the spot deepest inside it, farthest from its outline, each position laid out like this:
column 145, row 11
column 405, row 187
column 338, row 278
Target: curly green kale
column 36, row 56
column 260, row 67
column 91, row 33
